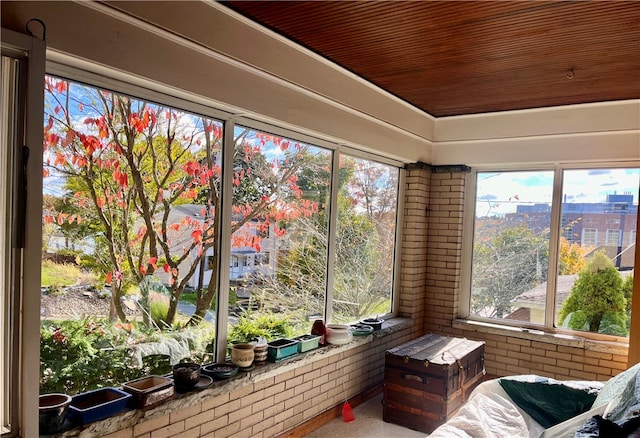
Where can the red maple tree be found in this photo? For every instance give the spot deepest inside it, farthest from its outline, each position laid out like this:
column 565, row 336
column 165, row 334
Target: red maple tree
column 128, row 164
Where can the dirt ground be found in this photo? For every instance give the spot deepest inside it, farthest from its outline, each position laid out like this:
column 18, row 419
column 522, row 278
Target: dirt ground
column 77, row 302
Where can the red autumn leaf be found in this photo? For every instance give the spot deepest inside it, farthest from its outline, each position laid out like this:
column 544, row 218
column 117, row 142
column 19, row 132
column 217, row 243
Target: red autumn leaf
column 197, row 235
column 61, row 86
column 152, row 262
column 108, row 278
column 166, row 268
column 143, row 270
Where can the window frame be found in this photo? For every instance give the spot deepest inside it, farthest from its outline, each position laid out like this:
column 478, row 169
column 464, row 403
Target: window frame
column 137, row 88
column 554, row 243
column 25, row 364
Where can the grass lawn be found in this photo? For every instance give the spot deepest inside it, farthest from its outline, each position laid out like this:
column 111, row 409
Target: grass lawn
column 54, row 274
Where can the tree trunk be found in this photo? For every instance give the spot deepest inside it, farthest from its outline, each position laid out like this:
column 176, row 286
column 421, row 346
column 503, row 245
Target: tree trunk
column 203, row 304
column 171, row 313
column 115, row 309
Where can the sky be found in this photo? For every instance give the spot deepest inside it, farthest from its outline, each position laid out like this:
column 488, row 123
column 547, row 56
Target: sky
column 501, row 192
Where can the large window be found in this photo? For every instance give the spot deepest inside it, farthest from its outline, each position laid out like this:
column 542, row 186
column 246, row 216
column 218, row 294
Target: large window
column 281, row 191
column 136, row 246
column 526, row 270
column 366, row 224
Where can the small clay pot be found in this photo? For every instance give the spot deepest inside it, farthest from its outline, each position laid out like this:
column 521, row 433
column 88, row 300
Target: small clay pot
column 186, row 375
column 260, row 353
column 242, row 355
column 52, row 412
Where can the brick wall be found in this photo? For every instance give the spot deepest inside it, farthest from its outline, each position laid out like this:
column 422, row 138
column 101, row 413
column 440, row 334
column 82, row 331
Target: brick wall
column 267, row 402
column 509, row 351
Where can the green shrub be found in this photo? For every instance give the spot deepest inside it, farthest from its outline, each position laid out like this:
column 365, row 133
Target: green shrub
column 267, row 325
column 597, row 299
column 80, row 355
column 158, row 308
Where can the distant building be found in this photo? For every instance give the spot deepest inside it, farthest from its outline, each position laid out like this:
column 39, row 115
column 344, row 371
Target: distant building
column 609, row 226
column 246, row 261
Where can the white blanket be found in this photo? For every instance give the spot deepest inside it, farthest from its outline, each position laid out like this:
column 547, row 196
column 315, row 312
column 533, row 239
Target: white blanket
column 489, row 413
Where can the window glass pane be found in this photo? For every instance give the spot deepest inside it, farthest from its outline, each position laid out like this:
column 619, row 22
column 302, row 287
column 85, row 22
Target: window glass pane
column 365, row 239
column 511, row 245
column 129, row 218
column 278, row 263
column 9, row 335
column 599, row 216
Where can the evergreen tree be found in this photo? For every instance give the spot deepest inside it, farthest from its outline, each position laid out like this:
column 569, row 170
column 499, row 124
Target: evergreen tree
column 597, row 300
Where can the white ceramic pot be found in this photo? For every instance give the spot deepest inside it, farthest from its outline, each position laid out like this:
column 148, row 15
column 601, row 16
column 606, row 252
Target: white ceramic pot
column 338, row 334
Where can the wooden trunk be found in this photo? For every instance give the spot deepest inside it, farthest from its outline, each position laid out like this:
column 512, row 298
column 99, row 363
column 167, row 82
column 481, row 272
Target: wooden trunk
column 426, row 380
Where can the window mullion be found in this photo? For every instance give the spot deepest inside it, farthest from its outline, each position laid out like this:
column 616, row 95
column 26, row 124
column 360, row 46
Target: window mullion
column 554, row 247
column 224, row 242
column 331, row 236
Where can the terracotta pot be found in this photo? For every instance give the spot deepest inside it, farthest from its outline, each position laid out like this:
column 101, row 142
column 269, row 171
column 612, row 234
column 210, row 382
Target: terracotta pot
column 242, row 355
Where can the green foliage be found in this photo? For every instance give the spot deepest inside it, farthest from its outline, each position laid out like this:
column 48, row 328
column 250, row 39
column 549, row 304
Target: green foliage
column 267, row 325
column 627, row 290
column 192, row 297
column 80, row 355
column 598, row 298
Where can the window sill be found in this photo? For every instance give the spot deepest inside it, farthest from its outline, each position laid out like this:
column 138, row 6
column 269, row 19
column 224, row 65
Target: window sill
column 259, row 374
column 601, row 343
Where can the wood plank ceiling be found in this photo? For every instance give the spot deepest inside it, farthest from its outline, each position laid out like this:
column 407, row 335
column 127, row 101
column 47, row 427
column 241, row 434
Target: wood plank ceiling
column 466, row 57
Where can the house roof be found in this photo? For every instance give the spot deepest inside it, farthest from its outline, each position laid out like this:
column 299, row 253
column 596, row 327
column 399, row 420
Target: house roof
column 468, row 57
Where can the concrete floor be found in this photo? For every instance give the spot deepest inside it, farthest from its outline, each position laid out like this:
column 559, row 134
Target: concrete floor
column 368, row 424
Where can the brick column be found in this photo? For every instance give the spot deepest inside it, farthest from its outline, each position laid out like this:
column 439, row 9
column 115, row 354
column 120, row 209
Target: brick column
column 413, row 265
column 444, row 234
